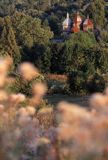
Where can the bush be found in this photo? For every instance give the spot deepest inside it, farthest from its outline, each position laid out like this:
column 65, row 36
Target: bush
column 95, row 83
column 82, row 83
column 76, row 82
column 24, row 87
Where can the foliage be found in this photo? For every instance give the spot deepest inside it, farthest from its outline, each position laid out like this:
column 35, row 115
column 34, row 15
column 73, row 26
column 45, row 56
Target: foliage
column 27, row 28
column 58, row 58
column 95, row 83
column 73, row 56
column 8, row 44
column 80, row 53
column 29, row 31
column 96, row 11
column 53, row 23
column 81, row 83
column 19, row 32
column 77, row 83
column 24, row 87
column 43, row 61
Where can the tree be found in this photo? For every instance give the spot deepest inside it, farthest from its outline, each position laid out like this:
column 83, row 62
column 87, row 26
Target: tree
column 58, row 58
column 8, row 44
column 29, row 31
column 74, row 51
column 98, row 59
column 77, row 82
column 95, row 83
column 21, row 33
column 96, row 10
column 53, row 23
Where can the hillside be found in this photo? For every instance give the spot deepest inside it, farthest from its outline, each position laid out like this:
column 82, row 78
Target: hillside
column 53, row 75
column 32, row 31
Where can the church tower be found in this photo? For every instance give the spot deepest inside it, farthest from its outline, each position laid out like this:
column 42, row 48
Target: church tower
column 67, row 24
column 77, row 23
column 88, row 24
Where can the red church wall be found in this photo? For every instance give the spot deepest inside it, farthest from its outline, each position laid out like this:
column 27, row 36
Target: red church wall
column 75, row 29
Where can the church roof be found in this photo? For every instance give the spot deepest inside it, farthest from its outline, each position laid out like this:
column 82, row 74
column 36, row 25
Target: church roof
column 88, row 22
column 67, row 21
column 77, row 18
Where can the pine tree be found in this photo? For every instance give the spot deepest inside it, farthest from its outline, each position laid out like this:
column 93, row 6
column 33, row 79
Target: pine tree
column 8, row 44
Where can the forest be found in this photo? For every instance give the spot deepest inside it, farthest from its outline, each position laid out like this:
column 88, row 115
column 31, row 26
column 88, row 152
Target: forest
column 27, row 30
column 53, row 84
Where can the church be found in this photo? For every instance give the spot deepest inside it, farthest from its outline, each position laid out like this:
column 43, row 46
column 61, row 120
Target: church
column 78, row 24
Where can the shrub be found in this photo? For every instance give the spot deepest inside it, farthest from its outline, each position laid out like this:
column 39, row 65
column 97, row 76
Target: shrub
column 76, row 82
column 24, row 87
column 95, row 83
column 82, row 83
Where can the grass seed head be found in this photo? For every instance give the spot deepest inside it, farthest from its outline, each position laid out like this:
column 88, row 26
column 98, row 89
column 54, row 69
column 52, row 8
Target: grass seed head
column 28, row 71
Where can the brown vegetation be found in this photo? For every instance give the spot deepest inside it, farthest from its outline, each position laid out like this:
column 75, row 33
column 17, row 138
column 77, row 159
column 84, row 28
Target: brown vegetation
column 58, row 77
column 31, row 129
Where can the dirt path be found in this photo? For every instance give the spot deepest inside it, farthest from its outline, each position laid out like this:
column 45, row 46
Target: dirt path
column 56, row 98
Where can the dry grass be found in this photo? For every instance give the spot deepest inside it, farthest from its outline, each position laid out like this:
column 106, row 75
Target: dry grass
column 35, row 131
column 61, row 78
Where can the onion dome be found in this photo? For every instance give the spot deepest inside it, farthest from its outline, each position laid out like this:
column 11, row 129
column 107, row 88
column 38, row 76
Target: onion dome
column 77, row 19
column 88, row 24
column 67, row 23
